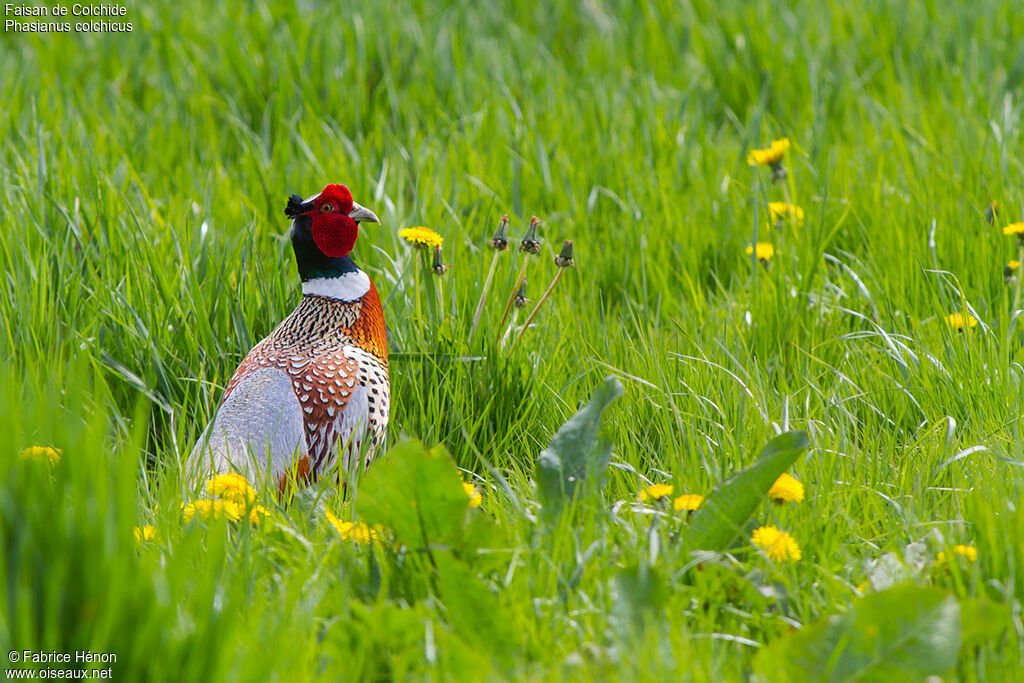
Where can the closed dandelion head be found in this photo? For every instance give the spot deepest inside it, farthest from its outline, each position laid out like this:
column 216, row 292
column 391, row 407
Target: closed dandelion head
column 777, row 545
column 992, row 212
column 233, row 487
column 500, row 240
column 41, row 454
column 655, row 492
column 784, row 211
column 565, row 257
column 475, row 497
column 967, row 552
column 421, row 237
column 530, row 242
column 521, row 300
column 961, row 321
column 439, row 267
column 764, row 250
column 1015, row 230
column 145, row 533
column 786, row 489
column 688, row 501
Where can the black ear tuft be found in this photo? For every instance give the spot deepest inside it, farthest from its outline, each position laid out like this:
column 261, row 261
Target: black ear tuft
column 294, row 207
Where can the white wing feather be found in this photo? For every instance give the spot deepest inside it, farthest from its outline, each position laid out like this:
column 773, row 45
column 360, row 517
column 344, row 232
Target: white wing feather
column 258, row 428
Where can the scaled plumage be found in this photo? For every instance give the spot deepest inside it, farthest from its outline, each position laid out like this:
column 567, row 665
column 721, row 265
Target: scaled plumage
column 318, row 384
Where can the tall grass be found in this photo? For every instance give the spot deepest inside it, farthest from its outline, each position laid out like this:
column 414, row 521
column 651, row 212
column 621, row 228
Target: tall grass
column 142, row 181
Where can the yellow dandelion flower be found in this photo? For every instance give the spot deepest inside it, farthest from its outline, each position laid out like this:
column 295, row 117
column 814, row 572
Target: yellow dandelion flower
column 959, row 321
column 777, row 545
column 969, row 552
column 353, row 531
column 786, row 489
column 421, row 237
column 771, row 156
column 1015, row 229
column 655, row 492
column 213, row 509
column 786, row 211
column 257, row 514
column 687, row 501
column 475, row 497
column 1014, row 264
column 146, row 533
column 233, row 487
column 1010, row 269
column 765, row 251
column 41, row 454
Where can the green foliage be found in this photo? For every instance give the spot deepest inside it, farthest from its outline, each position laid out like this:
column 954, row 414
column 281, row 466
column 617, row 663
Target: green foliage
column 640, row 593
column 725, row 512
column 142, row 179
column 417, row 494
column 906, row 633
column 577, row 459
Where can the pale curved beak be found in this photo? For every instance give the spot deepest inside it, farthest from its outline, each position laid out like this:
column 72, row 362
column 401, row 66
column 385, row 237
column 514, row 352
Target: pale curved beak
column 361, row 214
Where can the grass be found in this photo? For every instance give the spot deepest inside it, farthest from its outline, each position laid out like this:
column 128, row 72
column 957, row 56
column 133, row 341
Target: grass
column 142, row 182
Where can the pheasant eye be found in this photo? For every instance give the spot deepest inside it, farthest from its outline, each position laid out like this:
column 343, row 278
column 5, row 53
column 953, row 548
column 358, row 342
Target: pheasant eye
column 327, row 208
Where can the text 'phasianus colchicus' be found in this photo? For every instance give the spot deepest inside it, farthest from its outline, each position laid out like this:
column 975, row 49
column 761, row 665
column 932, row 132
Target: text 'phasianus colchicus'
column 318, row 385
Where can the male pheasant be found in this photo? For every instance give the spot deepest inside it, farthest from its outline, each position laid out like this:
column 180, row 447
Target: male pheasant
column 319, row 383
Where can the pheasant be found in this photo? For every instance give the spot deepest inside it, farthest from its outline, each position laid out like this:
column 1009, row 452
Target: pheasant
column 319, row 382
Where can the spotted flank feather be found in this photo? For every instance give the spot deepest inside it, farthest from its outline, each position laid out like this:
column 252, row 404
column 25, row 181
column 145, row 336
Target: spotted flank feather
column 334, row 355
column 317, row 387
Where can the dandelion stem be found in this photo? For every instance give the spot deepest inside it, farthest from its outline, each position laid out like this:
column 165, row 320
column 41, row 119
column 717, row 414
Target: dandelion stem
column 439, row 293
column 417, row 287
column 1020, row 281
column 483, row 297
column 536, row 308
column 511, row 326
column 790, row 208
column 512, row 297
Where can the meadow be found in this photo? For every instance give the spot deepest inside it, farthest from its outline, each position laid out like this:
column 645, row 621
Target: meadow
column 143, row 178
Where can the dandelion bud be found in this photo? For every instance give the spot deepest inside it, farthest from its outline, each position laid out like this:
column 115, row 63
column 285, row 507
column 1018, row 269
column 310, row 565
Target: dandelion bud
column 530, row 243
column 992, row 212
column 521, row 299
column 500, row 240
column 439, row 266
column 565, row 258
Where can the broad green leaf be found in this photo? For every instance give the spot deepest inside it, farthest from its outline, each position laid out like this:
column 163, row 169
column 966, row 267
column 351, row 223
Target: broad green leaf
column 983, row 621
column 576, row 457
column 416, row 493
column 472, row 609
column 639, row 591
column 905, row 633
column 722, row 516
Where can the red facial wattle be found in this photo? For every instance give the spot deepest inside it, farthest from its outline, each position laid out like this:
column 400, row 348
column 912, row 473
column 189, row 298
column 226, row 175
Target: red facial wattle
column 334, row 233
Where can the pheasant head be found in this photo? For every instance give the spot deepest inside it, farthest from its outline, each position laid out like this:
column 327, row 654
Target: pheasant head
column 324, row 230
